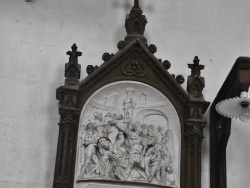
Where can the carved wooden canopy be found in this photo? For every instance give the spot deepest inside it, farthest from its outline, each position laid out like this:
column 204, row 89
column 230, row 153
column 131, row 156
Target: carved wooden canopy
column 130, row 121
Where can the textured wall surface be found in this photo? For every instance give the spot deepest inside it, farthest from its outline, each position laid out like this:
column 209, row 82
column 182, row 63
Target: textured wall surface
column 35, row 36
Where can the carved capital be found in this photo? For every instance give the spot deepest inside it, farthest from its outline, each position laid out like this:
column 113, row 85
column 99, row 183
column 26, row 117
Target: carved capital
column 69, row 114
column 194, row 129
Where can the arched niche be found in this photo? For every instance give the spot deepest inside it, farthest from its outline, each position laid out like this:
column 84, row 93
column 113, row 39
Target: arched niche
column 116, row 142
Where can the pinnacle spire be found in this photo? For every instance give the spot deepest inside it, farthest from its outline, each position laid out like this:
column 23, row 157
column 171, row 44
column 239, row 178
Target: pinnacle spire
column 135, row 24
column 136, row 3
column 195, row 83
column 72, row 68
column 136, row 7
column 196, row 67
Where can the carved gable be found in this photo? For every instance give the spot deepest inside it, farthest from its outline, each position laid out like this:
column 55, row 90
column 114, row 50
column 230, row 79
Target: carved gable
column 136, row 62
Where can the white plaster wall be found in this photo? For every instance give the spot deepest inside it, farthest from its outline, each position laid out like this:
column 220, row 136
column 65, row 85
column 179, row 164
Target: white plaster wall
column 238, row 152
column 35, row 36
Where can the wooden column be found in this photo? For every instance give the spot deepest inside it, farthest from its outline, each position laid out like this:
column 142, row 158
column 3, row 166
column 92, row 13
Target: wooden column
column 68, row 125
column 195, row 124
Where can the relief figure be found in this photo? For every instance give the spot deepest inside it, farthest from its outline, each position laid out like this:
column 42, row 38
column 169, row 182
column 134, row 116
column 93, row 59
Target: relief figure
column 91, row 162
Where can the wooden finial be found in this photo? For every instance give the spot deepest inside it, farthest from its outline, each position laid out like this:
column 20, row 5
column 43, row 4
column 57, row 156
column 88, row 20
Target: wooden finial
column 74, row 53
column 136, row 3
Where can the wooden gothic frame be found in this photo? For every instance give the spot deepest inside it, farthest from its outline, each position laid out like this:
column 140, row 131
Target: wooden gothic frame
column 190, row 105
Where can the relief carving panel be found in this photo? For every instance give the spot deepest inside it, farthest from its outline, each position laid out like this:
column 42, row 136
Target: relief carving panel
column 129, row 132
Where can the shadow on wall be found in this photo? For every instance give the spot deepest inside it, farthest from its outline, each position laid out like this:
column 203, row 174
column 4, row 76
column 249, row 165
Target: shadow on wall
column 53, row 129
column 31, row 1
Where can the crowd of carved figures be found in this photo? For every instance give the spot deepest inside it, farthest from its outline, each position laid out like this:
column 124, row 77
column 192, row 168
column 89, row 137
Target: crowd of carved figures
column 113, row 149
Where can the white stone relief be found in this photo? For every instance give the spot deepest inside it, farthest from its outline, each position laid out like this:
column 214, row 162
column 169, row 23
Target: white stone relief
column 135, row 137
column 143, row 98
